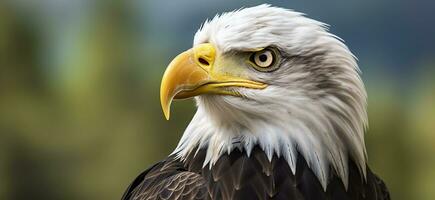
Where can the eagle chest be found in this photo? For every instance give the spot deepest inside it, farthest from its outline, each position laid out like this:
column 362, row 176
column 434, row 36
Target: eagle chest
column 239, row 176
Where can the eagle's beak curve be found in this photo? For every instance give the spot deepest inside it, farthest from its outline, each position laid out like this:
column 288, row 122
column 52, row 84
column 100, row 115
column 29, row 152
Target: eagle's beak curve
column 191, row 74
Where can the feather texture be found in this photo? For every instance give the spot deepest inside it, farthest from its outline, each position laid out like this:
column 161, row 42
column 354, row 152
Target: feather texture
column 237, row 176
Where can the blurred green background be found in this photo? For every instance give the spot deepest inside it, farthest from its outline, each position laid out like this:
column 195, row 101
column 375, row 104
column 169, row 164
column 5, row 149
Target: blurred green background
column 80, row 115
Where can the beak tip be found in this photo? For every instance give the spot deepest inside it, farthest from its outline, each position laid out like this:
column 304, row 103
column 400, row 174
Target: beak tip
column 166, row 116
column 166, row 110
column 165, row 103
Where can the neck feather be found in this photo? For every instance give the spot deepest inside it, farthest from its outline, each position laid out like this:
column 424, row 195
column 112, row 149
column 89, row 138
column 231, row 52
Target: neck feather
column 326, row 143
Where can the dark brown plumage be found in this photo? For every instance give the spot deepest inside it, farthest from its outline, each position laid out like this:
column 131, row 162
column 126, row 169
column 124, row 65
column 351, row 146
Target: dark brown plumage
column 237, row 176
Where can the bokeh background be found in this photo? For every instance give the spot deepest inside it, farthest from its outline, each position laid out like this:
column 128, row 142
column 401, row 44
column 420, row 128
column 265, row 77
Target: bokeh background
column 80, row 115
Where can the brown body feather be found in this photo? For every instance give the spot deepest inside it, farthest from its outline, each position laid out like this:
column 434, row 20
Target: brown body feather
column 237, row 176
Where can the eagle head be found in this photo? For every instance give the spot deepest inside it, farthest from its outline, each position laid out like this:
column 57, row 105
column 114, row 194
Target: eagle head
column 271, row 77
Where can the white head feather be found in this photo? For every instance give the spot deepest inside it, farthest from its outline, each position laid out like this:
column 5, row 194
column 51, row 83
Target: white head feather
column 315, row 103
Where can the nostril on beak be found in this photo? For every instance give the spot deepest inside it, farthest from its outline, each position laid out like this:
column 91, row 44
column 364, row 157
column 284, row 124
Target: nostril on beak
column 203, row 61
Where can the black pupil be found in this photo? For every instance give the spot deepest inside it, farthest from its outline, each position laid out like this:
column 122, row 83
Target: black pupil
column 262, row 58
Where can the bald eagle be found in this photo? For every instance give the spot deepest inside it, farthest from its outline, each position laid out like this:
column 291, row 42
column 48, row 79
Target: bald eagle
column 281, row 114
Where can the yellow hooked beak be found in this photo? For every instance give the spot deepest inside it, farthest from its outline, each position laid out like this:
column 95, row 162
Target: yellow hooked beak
column 191, row 74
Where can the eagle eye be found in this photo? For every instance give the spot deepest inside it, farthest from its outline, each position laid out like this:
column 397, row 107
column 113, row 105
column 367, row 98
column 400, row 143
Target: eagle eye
column 263, row 60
